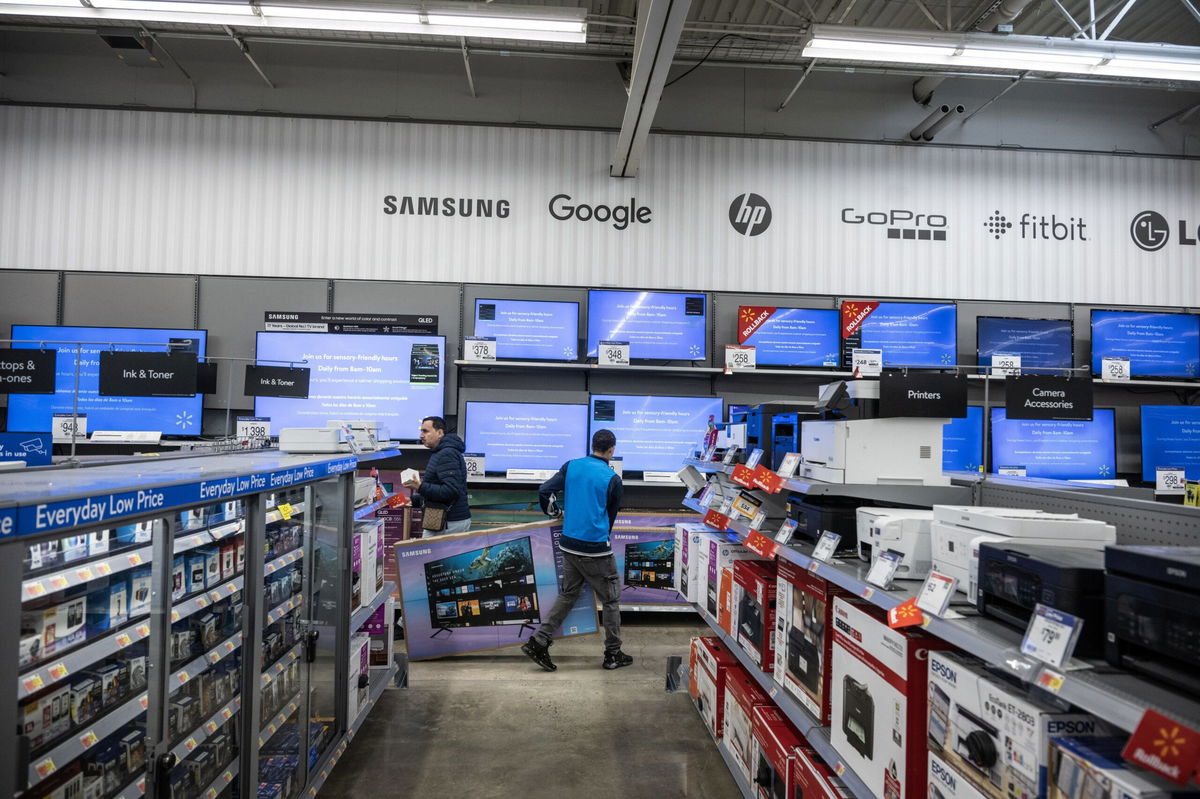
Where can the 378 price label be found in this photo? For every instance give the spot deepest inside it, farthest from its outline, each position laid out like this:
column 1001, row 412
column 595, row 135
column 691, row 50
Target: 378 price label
column 480, row 348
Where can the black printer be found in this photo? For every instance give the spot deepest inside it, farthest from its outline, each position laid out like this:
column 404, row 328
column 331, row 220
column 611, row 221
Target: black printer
column 1151, row 598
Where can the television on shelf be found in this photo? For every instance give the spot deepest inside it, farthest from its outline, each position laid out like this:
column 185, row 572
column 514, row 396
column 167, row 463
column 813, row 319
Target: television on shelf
column 34, row 413
column 1041, row 343
column 962, row 442
column 659, row 325
column 530, row 330
column 526, row 435
column 1156, row 344
column 1059, row 450
column 1170, row 439
column 654, row 433
column 913, row 334
column 395, row 379
column 791, row 336
column 486, row 587
column 650, row 564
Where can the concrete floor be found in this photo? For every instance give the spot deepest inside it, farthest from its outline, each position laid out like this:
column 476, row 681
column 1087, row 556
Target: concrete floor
column 494, row 725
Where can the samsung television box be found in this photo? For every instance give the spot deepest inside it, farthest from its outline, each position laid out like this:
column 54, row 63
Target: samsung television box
column 688, row 540
column 773, row 751
column 742, row 695
column 803, row 636
column 752, row 604
column 879, row 687
column 812, row 778
column 711, row 663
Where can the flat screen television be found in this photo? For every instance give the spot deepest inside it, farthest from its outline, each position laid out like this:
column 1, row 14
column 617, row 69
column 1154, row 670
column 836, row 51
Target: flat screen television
column 962, row 442
column 917, row 334
column 654, row 434
column 526, row 435
column 485, row 587
column 1056, row 449
column 1170, row 438
column 396, row 380
column 650, row 564
column 169, row 415
column 1156, row 344
column 791, row 336
column 659, row 325
column 1041, row 343
column 530, row 330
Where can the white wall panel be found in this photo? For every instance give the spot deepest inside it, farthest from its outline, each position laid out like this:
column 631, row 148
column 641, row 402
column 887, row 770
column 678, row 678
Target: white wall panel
column 209, row 194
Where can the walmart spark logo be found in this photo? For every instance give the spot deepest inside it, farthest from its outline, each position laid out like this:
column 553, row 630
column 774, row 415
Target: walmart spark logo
column 183, row 419
column 1169, row 744
column 1105, row 471
column 695, row 350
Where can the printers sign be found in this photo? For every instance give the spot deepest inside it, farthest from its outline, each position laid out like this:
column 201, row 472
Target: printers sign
column 922, row 394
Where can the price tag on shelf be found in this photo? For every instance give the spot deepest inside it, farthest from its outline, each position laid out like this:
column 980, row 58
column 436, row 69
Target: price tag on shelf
column 182, row 677
column 123, row 640
column 787, row 466
column 906, row 614
column 840, row 768
column 936, row 593
column 1051, row 635
column 250, row 428
column 58, row 671
column 743, row 476
column 210, row 727
column 144, row 701
column 866, row 363
column 757, row 522
column 33, row 683
column 201, row 602
column 211, row 793
column 1114, row 370
column 754, row 459
column 174, row 616
column 476, row 464
column 84, row 575
column 479, row 348
column 716, row 520
column 767, row 480
column 1164, row 746
column 34, row 590
column 746, row 505
column 58, row 582
column 285, row 510
column 759, row 544
column 1050, row 680
column 612, row 353
column 1010, row 471
column 63, row 425
column 104, row 568
column 1006, row 365
column 826, row 546
column 740, row 357
column 143, row 630
column 727, row 506
column 45, row 768
column 135, row 559
column 784, row 535
column 1169, row 480
column 884, row 569
column 189, row 744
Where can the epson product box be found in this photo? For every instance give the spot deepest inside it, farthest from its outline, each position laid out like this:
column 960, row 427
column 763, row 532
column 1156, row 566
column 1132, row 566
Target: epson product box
column 990, row 733
column 688, row 540
column 773, row 753
column 1092, row 768
column 812, row 778
column 878, row 705
column 946, row 783
column 719, row 554
column 742, row 695
column 711, row 663
column 753, row 608
column 803, row 636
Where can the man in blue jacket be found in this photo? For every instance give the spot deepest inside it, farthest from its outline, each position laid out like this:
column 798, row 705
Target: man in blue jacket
column 590, row 493
column 445, row 480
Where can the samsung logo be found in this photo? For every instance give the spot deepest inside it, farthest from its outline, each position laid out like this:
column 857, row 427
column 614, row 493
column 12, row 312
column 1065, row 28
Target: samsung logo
column 464, row 207
column 1175, row 572
column 1083, row 727
column 942, row 670
column 415, row 552
column 283, row 316
column 944, row 774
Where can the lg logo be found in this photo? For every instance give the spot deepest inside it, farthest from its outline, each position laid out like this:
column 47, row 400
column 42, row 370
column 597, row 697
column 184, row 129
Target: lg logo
column 1150, row 231
column 750, row 214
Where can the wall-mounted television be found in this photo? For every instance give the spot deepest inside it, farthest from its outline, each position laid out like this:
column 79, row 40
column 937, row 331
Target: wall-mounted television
column 659, row 325
column 1057, row 449
column 526, row 435
column 1156, row 344
column 1170, row 438
column 484, row 587
column 650, row 564
column 790, row 336
column 1041, row 343
column 396, row 380
column 530, row 330
column 654, row 434
column 918, row 334
column 962, row 442
column 169, row 415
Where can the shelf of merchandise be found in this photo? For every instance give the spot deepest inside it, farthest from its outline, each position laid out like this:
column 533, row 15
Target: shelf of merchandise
column 359, row 617
column 367, row 510
column 84, row 572
column 392, row 450
column 278, row 563
column 223, row 779
column 649, row 608
column 43, row 765
column 1119, row 698
column 59, row 669
column 276, row 721
column 507, row 481
column 284, row 608
column 211, row 535
column 280, row 665
column 210, row 727
column 276, row 515
column 203, row 663
column 739, row 779
column 199, row 602
column 134, row 788
column 698, row 370
column 380, row 677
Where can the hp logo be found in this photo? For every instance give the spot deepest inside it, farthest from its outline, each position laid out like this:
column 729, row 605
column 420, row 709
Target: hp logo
column 1150, row 231
column 750, row 214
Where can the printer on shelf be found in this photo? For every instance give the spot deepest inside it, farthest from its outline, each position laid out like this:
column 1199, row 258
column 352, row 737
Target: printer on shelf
column 367, row 434
column 312, row 439
column 899, row 530
column 1151, row 595
column 896, row 451
column 958, row 530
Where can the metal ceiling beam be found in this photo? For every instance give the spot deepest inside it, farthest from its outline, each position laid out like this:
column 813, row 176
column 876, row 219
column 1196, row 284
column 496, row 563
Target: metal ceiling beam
column 796, row 88
column 467, row 63
column 245, row 48
column 1070, row 18
column 1117, row 19
column 1190, row 6
column 929, row 14
column 660, row 24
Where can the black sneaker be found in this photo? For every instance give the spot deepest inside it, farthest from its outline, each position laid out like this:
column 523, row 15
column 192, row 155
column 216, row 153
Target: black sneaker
column 539, row 654
column 615, row 660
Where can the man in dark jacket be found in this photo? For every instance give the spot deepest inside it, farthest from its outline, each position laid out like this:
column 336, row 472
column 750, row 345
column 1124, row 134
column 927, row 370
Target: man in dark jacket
column 590, row 492
column 445, row 480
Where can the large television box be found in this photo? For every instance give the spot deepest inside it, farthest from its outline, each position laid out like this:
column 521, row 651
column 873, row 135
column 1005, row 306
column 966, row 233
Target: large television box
column 879, row 699
column 711, row 663
column 753, row 608
column 742, row 695
column 804, row 636
column 689, row 538
column 774, row 749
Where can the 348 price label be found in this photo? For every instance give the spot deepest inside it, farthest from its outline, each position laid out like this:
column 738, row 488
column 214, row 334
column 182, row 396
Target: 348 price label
column 613, row 353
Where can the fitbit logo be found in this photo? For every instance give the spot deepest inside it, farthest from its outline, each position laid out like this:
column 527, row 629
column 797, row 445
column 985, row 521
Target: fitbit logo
column 1038, row 227
column 750, row 214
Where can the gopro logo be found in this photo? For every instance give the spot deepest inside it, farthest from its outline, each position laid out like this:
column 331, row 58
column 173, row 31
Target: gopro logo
column 944, row 774
column 942, row 670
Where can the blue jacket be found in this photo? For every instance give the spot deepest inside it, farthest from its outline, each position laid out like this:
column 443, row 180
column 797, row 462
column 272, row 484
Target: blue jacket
column 445, row 480
column 590, row 493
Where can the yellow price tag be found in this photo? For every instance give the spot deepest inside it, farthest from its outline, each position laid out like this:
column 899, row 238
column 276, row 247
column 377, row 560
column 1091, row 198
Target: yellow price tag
column 210, row 727
column 285, row 510
column 84, row 575
column 88, row 739
column 183, row 677
column 840, row 768
column 229, row 647
column 104, row 569
column 123, row 640
column 45, row 768
column 143, row 630
column 174, row 615
column 189, row 744
column 33, row 683
column 144, row 701
column 226, row 714
column 201, row 602
column 58, row 582
column 228, row 777
column 35, row 589
column 135, row 559
column 58, row 671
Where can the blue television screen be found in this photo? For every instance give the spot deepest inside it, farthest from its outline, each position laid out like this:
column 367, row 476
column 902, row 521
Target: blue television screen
column 962, row 442
column 920, row 334
column 1156, row 344
column 1170, row 437
column 654, row 433
column 658, row 325
column 526, row 435
column 1041, row 343
column 530, row 329
column 168, row 415
column 395, row 380
column 791, row 336
column 1058, row 450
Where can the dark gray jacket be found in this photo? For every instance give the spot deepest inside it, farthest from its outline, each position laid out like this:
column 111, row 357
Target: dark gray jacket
column 445, row 478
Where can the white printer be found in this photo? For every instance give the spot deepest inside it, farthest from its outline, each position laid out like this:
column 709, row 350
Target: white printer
column 900, row 530
column 958, row 530
column 367, row 434
column 899, row 451
column 312, row 439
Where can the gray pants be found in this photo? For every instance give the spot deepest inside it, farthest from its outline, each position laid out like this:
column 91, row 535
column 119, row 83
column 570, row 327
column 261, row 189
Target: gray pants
column 461, row 526
column 601, row 574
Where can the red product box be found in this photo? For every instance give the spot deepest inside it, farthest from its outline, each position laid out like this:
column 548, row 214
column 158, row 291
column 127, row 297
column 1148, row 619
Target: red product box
column 774, row 748
column 803, row 636
column 753, row 609
column 742, row 695
column 812, row 778
column 713, row 662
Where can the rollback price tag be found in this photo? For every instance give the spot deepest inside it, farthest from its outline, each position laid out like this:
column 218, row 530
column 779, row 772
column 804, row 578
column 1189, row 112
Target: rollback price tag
column 716, row 520
column 767, row 480
column 762, row 546
column 1164, row 746
column 743, row 476
column 1051, row 635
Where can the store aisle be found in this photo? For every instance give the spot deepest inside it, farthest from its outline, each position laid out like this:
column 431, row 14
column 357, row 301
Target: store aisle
column 496, row 726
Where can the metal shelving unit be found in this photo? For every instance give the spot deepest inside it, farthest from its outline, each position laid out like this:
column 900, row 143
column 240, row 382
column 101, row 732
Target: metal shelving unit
column 360, row 616
column 738, row 778
column 209, row 727
column 380, row 677
column 46, row 764
column 55, row 671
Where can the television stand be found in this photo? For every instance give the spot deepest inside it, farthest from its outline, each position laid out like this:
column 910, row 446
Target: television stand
column 525, row 626
column 441, row 630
